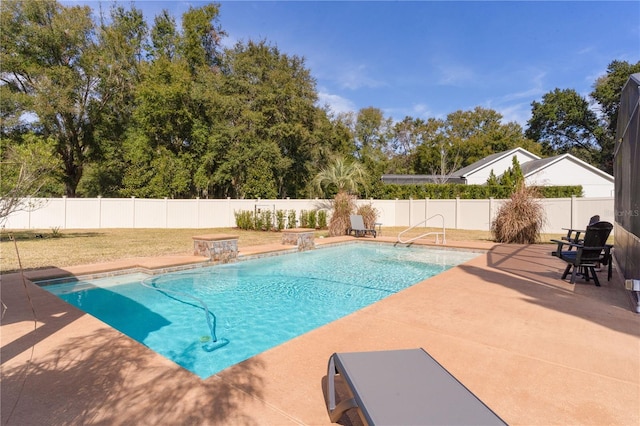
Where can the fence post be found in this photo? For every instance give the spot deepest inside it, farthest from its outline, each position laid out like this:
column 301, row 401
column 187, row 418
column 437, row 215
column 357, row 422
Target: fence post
column 410, row 209
column 573, row 212
column 166, row 212
column 426, row 210
column 490, row 211
column 99, row 211
column 457, row 214
column 133, row 210
column 197, row 212
column 64, row 209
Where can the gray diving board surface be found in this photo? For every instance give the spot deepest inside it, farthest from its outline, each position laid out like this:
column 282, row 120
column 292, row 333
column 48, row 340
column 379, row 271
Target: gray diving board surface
column 403, row 387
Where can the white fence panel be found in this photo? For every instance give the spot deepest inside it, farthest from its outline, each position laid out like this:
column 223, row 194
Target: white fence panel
column 150, row 213
column 96, row 213
column 81, row 213
column 474, row 214
column 386, row 211
column 446, row 208
column 52, row 215
column 117, row 212
column 18, row 220
column 558, row 214
column 214, row 214
column 588, row 207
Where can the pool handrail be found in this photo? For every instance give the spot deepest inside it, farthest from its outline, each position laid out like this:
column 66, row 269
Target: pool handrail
column 436, row 233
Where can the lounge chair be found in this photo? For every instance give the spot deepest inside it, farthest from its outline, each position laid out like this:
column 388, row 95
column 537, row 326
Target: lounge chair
column 358, row 228
column 403, row 387
column 589, row 252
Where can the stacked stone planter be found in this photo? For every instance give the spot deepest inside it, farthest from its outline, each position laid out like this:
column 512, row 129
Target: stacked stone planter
column 219, row 248
column 301, row 237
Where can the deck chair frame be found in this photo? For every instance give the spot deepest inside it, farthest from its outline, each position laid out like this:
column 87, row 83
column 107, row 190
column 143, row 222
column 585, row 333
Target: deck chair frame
column 357, row 227
column 403, row 387
column 587, row 254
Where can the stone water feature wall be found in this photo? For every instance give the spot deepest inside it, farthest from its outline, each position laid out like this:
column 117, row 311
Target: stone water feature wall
column 301, row 237
column 219, row 248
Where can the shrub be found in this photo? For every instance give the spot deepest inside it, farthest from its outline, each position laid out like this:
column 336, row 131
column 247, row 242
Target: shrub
column 258, row 222
column 312, row 219
column 322, row 219
column 266, row 217
column 369, row 215
column 304, row 219
column 244, row 219
column 291, row 219
column 520, row 219
column 453, row 190
column 280, row 220
column 343, row 205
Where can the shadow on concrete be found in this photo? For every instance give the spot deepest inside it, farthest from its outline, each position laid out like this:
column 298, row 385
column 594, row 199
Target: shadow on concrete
column 99, row 379
column 93, row 374
column 539, row 277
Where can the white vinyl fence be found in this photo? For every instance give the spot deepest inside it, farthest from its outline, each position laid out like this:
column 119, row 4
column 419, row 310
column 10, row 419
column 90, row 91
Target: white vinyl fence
column 97, row 213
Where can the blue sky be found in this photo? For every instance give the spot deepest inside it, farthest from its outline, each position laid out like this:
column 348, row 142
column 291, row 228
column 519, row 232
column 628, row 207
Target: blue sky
column 427, row 59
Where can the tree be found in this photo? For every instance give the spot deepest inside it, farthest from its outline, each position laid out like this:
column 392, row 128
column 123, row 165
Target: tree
column 465, row 137
column 261, row 106
column 201, row 37
column 407, row 136
column 121, row 43
column 48, row 63
column 512, row 177
column 563, row 122
column 26, row 170
column 492, row 180
column 340, row 176
column 606, row 93
column 372, row 132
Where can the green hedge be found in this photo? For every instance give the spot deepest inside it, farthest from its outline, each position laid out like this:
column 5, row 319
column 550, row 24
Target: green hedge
column 265, row 220
column 447, row 191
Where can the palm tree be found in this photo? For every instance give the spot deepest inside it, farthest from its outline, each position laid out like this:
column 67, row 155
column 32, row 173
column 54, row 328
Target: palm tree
column 344, row 178
column 340, row 176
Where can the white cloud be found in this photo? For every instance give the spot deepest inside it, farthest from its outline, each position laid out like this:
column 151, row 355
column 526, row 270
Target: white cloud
column 535, row 90
column 336, row 103
column 355, row 77
column 520, row 113
column 454, row 75
column 423, row 111
column 516, row 106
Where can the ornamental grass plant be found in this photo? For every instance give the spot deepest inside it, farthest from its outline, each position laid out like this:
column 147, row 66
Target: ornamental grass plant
column 520, row 219
column 369, row 215
column 343, row 206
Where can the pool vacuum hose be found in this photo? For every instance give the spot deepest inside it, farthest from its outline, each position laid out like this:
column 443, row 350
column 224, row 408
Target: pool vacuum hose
column 215, row 343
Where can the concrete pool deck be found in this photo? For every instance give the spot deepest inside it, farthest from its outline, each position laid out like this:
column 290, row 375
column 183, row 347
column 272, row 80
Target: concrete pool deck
column 536, row 349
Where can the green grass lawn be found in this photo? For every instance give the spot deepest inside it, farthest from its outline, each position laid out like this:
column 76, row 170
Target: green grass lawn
column 48, row 248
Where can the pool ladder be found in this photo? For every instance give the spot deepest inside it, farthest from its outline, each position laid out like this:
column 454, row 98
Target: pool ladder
column 436, row 233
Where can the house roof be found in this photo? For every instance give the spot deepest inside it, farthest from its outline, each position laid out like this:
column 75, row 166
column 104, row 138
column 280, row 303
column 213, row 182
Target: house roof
column 534, row 166
column 528, row 168
column 419, row 179
column 488, row 160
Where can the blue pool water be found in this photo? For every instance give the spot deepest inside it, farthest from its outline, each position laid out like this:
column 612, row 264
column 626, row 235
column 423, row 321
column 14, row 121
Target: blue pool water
column 253, row 305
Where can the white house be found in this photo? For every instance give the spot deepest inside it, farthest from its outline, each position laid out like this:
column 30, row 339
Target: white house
column 566, row 169
column 560, row 170
column 477, row 173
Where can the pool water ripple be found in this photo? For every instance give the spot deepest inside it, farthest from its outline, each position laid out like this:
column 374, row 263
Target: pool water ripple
column 257, row 304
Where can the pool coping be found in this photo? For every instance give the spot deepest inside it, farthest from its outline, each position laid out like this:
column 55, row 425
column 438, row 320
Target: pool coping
column 202, row 262
column 534, row 348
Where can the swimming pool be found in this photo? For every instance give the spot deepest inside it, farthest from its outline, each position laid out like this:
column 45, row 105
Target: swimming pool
column 208, row 319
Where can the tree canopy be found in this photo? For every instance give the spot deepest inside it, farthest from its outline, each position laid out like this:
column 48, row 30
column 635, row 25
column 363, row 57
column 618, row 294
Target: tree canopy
column 127, row 106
